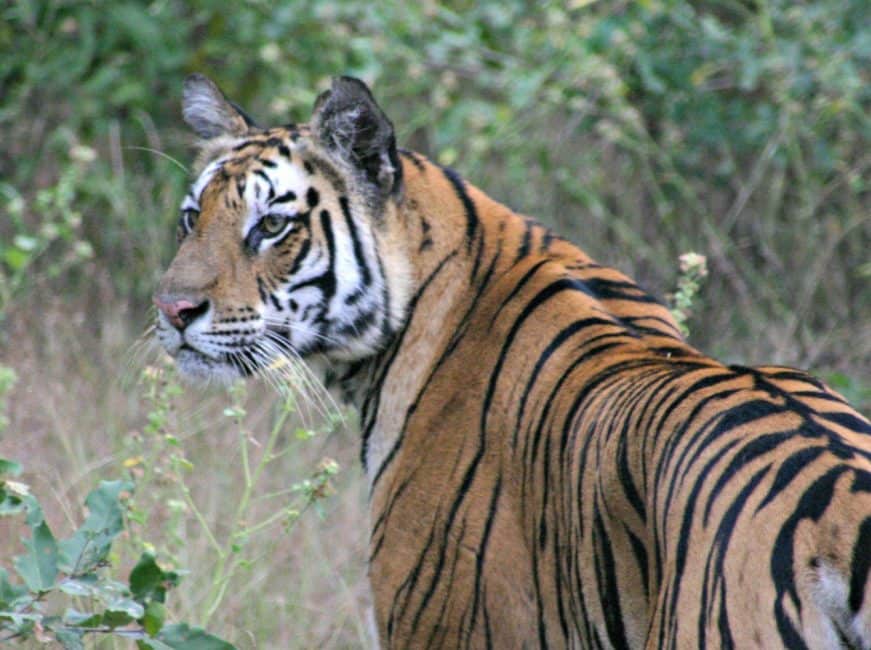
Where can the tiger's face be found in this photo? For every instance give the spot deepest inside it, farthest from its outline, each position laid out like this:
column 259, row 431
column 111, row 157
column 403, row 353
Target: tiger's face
column 285, row 238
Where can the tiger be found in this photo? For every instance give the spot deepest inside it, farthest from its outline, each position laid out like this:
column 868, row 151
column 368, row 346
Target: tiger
column 549, row 463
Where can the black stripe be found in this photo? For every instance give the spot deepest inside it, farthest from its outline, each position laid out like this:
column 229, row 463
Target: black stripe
column 518, row 286
column 564, row 335
column 813, row 503
column 716, row 560
column 472, row 221
column 262, row 174
column 756, row 448
column 412, row 158
column 290, row 195
column 523, row 251
column 326, row 282
column 261, row 289
column 367, row 431
column 482, row 550
column 365, row 273
column 606, row 577
column 789, row 469
column 861, row 566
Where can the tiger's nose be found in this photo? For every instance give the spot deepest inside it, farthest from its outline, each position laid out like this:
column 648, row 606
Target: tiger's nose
column 180, row 312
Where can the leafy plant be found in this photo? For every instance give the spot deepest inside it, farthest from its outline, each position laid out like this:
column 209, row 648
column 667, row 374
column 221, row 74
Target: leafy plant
column 161, row 470
column 693, row 270
column 75, row 572
column 60, row 223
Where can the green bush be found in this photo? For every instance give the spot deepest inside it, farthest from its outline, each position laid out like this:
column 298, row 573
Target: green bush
column 640, row 129
column 73, row 570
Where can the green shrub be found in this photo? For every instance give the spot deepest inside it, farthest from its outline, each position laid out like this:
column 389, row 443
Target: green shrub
column 74, row 572
column 638, row 129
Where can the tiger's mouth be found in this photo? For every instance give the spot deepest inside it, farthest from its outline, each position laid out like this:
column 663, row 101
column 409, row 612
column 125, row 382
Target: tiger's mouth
column 198, row 366
column 248, row 360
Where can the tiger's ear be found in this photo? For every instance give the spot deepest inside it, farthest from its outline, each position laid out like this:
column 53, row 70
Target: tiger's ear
column 209, row 113
column 350, row 124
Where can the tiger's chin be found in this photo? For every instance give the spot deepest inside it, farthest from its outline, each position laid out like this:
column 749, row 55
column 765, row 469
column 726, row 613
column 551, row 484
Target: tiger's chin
column 197, row 368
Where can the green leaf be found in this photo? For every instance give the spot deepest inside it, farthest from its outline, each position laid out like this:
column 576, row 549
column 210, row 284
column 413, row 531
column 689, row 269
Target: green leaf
column 70, row 639
column 19, row 624
column 116, row 618
column 15, row 258
column 9, row 593
column 80, row 586
column 9, row 467
column 155, row 615
column 152, row 644
column 180, row 636
column 15, row 497
column 90, row 544
column 109, row 592
column 128, row 607
column 38, row 567
column 148, row 582
column 81, row 619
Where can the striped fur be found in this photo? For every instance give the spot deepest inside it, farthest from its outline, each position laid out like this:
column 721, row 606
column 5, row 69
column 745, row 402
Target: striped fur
column 550, row 464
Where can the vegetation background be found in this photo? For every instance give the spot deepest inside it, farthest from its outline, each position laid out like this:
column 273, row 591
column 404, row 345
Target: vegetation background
column 739, row 129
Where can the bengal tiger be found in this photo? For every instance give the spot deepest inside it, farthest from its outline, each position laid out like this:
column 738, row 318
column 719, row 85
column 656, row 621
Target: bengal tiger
column 549, row 463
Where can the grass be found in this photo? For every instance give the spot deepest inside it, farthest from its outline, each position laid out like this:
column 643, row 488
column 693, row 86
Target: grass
column 284, row 586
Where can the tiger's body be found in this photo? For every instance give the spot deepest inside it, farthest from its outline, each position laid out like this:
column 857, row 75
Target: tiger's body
column 549, row 463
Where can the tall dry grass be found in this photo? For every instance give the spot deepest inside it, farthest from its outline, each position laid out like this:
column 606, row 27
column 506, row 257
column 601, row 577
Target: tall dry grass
column 79, row 414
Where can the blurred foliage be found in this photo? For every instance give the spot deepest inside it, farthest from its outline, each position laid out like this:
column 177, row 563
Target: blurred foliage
column 738, row 128
column 74, row 572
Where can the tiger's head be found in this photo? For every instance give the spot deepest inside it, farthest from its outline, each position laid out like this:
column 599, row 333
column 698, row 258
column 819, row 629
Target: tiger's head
column 285, row 238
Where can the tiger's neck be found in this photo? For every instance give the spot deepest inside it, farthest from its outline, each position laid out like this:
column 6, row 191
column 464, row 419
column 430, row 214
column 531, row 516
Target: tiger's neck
column 460, row 246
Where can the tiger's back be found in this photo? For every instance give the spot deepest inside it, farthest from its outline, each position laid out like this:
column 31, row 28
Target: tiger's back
column 604, row 447
column 549, row 463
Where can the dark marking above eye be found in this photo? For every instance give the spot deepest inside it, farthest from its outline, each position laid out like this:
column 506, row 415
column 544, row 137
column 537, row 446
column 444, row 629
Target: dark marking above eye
column 290, row 195
column 262, row 174
column 284, row 150
column 293, row 304
column 267, row 163
column 312, row 197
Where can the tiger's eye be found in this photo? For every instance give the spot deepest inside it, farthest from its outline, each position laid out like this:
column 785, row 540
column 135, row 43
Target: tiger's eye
column 186, row 223
column 190, row 216
column 272, row 224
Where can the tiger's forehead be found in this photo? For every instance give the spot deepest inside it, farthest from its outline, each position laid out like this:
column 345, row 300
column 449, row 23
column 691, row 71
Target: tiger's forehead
column 267, row 146
column 258, row 167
